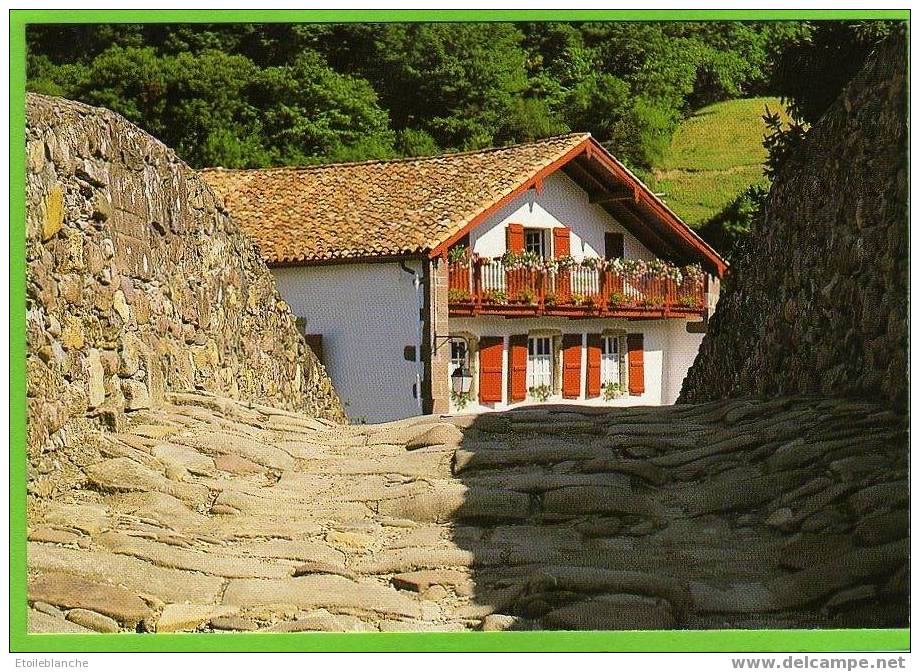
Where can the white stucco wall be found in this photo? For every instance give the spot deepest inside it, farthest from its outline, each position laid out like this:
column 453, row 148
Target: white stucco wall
column 669, row 352
column 562, row 203
column 682, row 350
column 367, row 314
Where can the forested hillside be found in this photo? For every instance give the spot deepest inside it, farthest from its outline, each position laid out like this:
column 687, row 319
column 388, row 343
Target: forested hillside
column 252, row 95
column 267, row 94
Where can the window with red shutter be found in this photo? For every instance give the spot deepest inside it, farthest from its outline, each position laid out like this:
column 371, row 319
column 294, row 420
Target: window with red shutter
column 562, row 246
column 491, row 349
column 535, row 242
column 514, row 238
column 571, row 366
column 562, row 242
column 635, row 353
column 517, row 367
column 593, row 369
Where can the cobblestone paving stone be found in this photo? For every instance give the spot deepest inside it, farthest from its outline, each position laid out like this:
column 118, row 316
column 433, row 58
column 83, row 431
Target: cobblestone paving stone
column 208, row 514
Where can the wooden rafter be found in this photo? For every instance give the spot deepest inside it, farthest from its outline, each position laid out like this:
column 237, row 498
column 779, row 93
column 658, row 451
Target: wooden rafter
column 642, row 229
column 618, row 194
column 585, row 178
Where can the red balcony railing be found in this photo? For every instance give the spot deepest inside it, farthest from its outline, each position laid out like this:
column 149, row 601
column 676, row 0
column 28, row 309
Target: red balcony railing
column 488, row 287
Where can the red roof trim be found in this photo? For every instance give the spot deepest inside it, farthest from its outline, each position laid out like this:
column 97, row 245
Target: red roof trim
column 645, row 196
column 532, row 181
column 596, row 152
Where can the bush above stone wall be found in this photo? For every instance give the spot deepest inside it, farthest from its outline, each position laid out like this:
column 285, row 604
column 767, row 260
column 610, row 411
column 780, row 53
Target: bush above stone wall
column 139, row 282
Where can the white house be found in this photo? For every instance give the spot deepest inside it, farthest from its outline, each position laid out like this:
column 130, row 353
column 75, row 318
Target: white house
column 545, row 272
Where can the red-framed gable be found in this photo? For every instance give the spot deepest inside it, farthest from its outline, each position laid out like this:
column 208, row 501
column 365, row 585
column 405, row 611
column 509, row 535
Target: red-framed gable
column 609, row 183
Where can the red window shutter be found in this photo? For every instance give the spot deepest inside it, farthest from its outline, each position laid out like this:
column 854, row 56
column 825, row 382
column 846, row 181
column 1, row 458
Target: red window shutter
column 490, row 369
column 517, row 367
column 571, row 366
column 514, row 235
column 635, row 352
column 593, row 374
column 562, row 242
column 561, row 247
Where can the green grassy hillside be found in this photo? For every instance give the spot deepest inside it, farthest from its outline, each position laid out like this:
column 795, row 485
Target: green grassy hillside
column 715, row 154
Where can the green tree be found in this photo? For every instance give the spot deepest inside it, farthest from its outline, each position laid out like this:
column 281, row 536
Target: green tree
column 311, row 113
column 733, row 225
column 257, row 94
column 811, row 72
column 456, row 82
column 813, row 69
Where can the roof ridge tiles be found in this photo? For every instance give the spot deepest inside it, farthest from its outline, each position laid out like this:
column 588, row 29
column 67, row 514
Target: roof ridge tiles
column 406, row 159
column 397, row 207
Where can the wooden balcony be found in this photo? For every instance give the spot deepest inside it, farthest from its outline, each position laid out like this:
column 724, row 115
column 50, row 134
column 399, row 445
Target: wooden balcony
column 486, row 287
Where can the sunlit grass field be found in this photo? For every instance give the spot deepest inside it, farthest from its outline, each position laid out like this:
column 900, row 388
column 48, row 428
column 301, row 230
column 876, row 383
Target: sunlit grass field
column 714, row 155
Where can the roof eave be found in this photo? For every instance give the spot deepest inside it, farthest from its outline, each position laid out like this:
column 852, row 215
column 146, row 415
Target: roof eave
column 357, row 259
column 669, row 216
column 597, row 152
column 535, row 181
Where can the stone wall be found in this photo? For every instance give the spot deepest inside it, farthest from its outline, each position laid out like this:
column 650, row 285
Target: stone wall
column 817, row 302
column 140, row 283
column 438, row 341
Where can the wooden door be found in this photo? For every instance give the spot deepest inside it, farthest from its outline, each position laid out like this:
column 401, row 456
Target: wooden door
column 613, row 245
column 614, row 249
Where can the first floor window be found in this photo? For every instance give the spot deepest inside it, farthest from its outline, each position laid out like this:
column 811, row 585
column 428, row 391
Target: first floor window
column 534, row 242
column 459, row 354
column 539, row 362
column 610, row 360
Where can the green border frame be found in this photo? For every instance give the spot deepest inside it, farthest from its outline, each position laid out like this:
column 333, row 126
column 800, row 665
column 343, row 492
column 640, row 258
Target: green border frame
column 622, row 641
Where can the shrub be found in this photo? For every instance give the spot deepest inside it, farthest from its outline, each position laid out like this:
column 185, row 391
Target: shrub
column 458, row 254
column 454, row 295
column 460, row 399
column 494, row 296
column 611, row 391
column 540, row 392
column 617, row 299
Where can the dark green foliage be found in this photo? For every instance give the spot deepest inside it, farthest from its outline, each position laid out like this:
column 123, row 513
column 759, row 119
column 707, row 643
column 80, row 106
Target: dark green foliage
column 728, row 228
column 811, row 72
column 309, row 112
column 780, row 141
column 269, row 94
column 813, row 68
column 456, row 82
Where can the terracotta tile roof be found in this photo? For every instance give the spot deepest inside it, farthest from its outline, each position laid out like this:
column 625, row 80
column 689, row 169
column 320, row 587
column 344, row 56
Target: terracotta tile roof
column 376, row 208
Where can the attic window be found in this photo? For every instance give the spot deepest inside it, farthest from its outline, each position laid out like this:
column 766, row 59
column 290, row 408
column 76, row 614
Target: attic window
column 535, row 242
